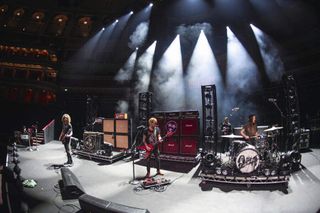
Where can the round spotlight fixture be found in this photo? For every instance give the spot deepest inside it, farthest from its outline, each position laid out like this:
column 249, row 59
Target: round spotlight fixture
column 103, row 28
column 151, row 5
column 131, row 12
column 224, row 172
column 218, row 170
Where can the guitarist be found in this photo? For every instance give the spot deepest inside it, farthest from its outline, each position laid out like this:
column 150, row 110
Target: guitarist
column 250, row 130
column 65, row 136
column 151, row 139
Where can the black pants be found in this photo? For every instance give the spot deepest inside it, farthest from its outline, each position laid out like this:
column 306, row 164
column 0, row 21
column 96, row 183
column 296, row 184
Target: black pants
column 67, row 148
column 225, row 143
column 156, row 153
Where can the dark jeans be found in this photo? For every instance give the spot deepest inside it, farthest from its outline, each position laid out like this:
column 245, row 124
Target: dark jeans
column 66, row 144
column 156, row 154
column 67, row 147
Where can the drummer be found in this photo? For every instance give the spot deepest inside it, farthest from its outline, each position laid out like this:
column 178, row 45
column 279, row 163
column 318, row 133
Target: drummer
column 250, row 130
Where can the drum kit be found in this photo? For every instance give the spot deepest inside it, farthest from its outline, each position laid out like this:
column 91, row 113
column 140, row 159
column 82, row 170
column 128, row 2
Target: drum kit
column 247, row 157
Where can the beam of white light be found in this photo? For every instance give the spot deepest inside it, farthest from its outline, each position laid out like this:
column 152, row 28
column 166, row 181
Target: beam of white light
column 125, row 73
column 240, row 67
column 168, row 79
column 78, row 62
column 202, row 70
column 242, row 80
column 143, row 72
column 144, row 66
column 141, row 21
column 270, row 55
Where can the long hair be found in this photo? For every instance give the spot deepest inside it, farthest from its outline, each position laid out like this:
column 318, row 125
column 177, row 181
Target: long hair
column 67, row 116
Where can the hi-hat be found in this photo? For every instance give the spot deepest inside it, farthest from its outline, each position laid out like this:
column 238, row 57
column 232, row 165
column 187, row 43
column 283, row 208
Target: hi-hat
column 231, row 136
column 273, row 128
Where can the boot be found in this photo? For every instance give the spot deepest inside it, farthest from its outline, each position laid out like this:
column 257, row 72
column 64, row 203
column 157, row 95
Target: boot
column 69, row 162
column 159, row 173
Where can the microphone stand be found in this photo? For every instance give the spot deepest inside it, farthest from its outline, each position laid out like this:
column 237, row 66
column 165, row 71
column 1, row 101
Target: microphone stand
column 283, row 117
column 133, row 153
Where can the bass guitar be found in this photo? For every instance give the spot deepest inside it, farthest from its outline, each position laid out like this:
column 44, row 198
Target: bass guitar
column 150, row 147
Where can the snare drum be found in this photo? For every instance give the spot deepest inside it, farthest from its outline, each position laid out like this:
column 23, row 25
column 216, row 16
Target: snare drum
column 247, row 159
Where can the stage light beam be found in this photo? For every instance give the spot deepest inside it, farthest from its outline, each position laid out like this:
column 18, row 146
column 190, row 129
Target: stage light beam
column 168, row 79
column 270, row 54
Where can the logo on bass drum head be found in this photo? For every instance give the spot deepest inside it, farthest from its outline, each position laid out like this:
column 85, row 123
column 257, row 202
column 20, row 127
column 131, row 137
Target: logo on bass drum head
column 171, row 126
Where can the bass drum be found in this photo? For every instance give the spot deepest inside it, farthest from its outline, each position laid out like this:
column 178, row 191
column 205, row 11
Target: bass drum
column 247, row 159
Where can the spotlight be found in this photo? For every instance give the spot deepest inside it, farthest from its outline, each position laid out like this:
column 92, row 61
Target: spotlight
column 103, row 28
column 117, row 20
column 151, row 5
column 131, row 12
column 137, row 48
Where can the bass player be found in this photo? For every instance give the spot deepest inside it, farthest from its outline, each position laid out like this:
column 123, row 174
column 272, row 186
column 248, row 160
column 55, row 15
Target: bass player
column 151, row 139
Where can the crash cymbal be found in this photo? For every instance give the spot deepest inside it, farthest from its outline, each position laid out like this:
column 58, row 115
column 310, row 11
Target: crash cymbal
column 273, row 128
column 231, row 136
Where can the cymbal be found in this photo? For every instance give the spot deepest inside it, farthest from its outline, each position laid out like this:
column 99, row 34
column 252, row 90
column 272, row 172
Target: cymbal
column 273, row 128
column 231, row 136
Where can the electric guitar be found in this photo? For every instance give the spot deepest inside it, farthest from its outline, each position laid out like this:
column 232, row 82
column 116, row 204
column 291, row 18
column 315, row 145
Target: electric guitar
column 152, row 146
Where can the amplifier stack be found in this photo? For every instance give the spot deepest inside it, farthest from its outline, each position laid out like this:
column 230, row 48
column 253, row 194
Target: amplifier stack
column 186, row 137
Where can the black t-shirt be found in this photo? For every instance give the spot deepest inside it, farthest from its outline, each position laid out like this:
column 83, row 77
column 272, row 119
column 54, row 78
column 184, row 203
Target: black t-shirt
column 151, row 136
column 67, row 129
column 226, row 129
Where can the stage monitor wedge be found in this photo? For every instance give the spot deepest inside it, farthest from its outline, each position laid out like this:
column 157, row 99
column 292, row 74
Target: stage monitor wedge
column 70, row 185
column 90, row 204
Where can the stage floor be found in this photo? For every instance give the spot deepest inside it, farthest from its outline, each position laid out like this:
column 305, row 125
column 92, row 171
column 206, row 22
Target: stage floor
column 186, row 194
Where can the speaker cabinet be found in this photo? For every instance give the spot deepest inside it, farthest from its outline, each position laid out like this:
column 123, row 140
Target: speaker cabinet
column 90, row 204
column 117, row 132
column 189, row 145
column 189, row 126
column 92, row 141
column 108, row 125
column 70, row 186
column 171, row 145
column 122, row 126
column 122, row 141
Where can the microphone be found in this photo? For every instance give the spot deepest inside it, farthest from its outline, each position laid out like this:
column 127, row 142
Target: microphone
column 141, row 127
column 235, row 109
column 272, row 99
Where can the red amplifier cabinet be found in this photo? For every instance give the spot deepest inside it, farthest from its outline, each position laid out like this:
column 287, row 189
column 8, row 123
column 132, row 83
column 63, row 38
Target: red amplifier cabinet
column 189, row 126
column 172, row 125
column 171, row 146
column 189, row 145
